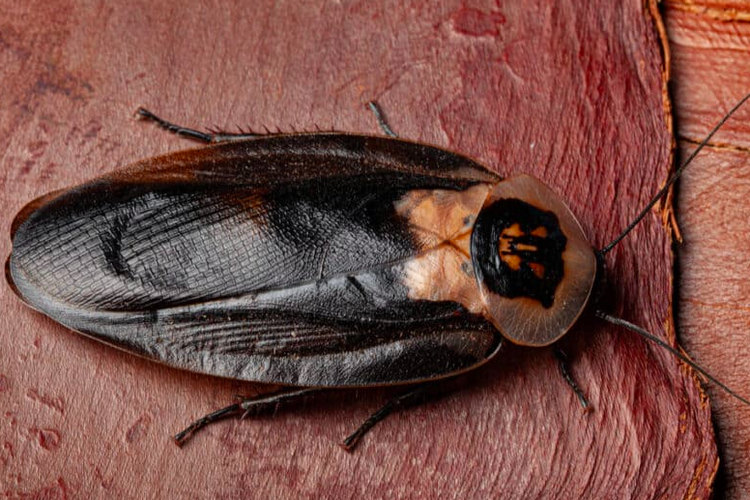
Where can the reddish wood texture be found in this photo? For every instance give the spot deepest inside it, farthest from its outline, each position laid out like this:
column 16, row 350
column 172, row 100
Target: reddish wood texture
column 569, row 92
column 711, row 71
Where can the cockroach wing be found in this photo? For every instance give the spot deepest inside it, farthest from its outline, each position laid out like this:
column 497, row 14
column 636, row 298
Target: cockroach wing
column 300, row 260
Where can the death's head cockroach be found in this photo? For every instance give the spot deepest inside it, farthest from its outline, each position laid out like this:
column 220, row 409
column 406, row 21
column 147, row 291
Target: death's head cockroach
column 315, row 261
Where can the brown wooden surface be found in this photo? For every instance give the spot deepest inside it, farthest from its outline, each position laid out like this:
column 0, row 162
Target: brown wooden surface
column 711, row 71
column 570, row 93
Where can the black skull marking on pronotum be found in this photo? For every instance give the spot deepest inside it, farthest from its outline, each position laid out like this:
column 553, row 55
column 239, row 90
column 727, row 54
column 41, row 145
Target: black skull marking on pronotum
column 519, row 250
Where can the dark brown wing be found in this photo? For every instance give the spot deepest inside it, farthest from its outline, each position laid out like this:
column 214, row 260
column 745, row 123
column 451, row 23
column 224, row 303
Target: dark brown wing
column 238, row 260
column 346, row 331
column 297, row 158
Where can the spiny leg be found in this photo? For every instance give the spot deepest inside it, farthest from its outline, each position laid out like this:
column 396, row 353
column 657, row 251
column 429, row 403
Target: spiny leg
column 197, row 135
column 246, row 406
column 380, row 117
column 415, row 395
column 221, row 136
column 562, row 361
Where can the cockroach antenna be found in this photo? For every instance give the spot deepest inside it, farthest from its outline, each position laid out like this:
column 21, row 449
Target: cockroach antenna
column 642, row 332
column 601, row 253
column 676, row 175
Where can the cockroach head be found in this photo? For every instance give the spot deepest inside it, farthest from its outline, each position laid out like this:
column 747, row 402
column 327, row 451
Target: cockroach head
column 532, row 262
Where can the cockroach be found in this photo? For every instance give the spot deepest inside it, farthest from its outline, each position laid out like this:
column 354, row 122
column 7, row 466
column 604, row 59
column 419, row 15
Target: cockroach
column 313, row 261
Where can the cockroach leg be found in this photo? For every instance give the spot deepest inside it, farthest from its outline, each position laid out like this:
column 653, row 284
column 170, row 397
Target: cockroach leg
column 562, row 362
column 248, row 406
column 182, row 437
column 415, row 395
column 210, row 137
column 380, row 117
column 271, row 402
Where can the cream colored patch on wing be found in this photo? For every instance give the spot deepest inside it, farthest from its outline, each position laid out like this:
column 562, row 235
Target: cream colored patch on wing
column 440, row 215
column 443, row 274
column 441, row 222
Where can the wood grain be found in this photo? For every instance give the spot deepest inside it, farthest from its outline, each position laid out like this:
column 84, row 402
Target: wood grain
column 711, row 72
column 569, row 92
